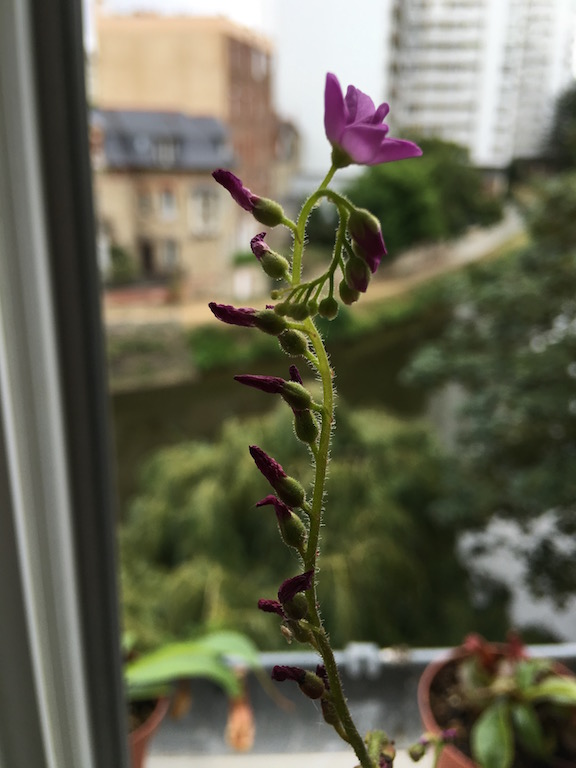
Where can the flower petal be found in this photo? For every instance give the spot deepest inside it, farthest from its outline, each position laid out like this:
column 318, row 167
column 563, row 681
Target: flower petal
column 360, row 106
column 368, row 145
column 334, row 109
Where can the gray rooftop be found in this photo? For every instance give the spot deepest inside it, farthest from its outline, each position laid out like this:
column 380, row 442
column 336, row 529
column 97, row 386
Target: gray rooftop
column 148, row 140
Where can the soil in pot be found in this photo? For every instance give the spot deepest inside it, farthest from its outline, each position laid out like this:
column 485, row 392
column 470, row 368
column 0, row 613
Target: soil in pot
column 448, row 713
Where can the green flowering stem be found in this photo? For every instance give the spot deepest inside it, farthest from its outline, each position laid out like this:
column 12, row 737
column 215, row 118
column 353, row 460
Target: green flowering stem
column 300, row 230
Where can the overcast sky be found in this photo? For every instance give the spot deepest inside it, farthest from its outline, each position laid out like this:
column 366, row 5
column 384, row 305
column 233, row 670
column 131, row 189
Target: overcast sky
column 311, row 37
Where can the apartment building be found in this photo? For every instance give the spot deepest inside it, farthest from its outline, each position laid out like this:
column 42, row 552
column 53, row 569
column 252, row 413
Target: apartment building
column 482, row 73
column 156, row 200
column 199, row 66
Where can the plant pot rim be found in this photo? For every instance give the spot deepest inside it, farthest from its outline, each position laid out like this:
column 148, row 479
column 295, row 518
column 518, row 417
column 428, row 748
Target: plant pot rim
column 153, row 721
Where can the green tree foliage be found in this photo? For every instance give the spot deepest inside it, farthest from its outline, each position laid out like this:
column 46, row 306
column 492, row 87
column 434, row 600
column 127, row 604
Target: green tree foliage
column 562, row 140
column 512, row 346
column 197, row 553
column 434, row 197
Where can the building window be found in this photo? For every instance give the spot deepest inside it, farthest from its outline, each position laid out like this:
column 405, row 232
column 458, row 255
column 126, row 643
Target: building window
column 166, row 152
column 168, row 206
column 144, row 202
column 204, row 212
column 168, row 256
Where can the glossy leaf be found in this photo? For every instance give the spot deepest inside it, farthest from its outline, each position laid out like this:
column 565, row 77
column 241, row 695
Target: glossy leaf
column 561, row 690
column 492, row 739
column 528, row 730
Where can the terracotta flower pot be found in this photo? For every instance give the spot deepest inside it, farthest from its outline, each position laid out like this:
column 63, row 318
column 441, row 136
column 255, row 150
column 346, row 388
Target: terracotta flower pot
column 139, row 738
column 450, row 757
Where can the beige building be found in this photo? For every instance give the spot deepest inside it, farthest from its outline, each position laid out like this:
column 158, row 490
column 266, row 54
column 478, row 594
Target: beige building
column 160, row 213
column 198, row 66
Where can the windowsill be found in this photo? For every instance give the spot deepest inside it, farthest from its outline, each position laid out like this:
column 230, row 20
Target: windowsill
column 295, row 760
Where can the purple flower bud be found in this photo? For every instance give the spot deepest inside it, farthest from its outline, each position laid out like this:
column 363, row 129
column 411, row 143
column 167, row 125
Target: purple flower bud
column 271, row 606
column 259, row 247
column 296, row 584
column 287, row 488
column 357, row 274
column 244, row 316
column 295, row 375
column 273, row 385
column 283, row 512
column 239, row 192
column 280, row 673
column 323, row 675
column 367, row 239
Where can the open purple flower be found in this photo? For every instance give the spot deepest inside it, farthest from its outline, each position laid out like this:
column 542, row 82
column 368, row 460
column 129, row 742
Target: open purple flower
column 355, row 128
column 239, row 192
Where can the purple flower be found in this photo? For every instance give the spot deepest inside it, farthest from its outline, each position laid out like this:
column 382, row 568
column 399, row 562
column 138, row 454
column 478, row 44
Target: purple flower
column 244, row 316
column 271, row 606
column 355, row 129
column 293, row 586
column 310, row 684
column 269, row 467
column 259, row 247
column 239, row 192
column 295, row 375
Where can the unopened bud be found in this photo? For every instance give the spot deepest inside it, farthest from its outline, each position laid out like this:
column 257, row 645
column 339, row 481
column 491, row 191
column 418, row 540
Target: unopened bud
column 347, row 294
column 305, row 426
column 269, row 321
column 299, row 632
column 312, row 686
column 281, row 308
column 293, row 342
column 296, row 395
column 329, row 712
column 328, row 308
column 357, row 274
column 298, row 311
column 297, row 607
column 268, row 212
column 275, row 265
column 292, row 530
column 417, row 751
column 290, row 491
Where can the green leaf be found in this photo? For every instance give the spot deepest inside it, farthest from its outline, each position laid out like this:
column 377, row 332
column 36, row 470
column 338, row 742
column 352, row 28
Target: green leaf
column 179, row 661
column 561, row 690
column 232, row 644
column 527, row 670
column 492, row 740
column 529, row 731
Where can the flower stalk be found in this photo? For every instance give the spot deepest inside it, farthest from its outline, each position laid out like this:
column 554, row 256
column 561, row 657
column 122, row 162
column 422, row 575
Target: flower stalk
column 354, row 128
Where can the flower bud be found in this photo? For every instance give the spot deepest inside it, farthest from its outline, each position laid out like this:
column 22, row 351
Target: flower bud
column 357, row 274
column 268, row 212
column 299, row 632
column 293, row 532
column 305, row 426
column 297, row 607
column 312, row 686
column 298, row 311
column 328, row 308
column 275, row 265
column 365, row 231
column 282, row 308
column 329, row 712
column 296, row 395
column 417, row 751
column 347, row 294
column 293, row 342
column 290, row 491
column 269, row 321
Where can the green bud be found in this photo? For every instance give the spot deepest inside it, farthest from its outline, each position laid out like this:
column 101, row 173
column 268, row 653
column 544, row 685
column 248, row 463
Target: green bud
column 357, row 274
column 328, row 308
column 268, row 212
column 269, row 321
column 312, row 307
column 297, row 608
column 306, row 426
column 299, row 632
column 281, row 308
column 298, row 311
column 362, row 221
column 329, row 712
column 296, row 395
column 293, row 342
column 347, row 294
column 275, row 295
column 417, row 752
column 290, row 491
column 293, row 532
column 312, row 686
column 275, row 265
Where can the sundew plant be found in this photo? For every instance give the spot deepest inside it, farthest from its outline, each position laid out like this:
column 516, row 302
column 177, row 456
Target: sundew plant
column 358, row 135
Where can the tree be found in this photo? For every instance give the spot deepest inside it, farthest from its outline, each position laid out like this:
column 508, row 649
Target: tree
column 512, row 346
column 426, row 199
column 197, row 553
column 562, row 140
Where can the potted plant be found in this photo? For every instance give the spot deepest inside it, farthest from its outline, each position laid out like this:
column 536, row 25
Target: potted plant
column 158, row 681
column 501, row 708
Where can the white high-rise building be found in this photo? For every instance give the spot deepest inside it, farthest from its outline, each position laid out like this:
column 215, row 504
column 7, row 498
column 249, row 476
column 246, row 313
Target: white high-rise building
column 482, row 73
